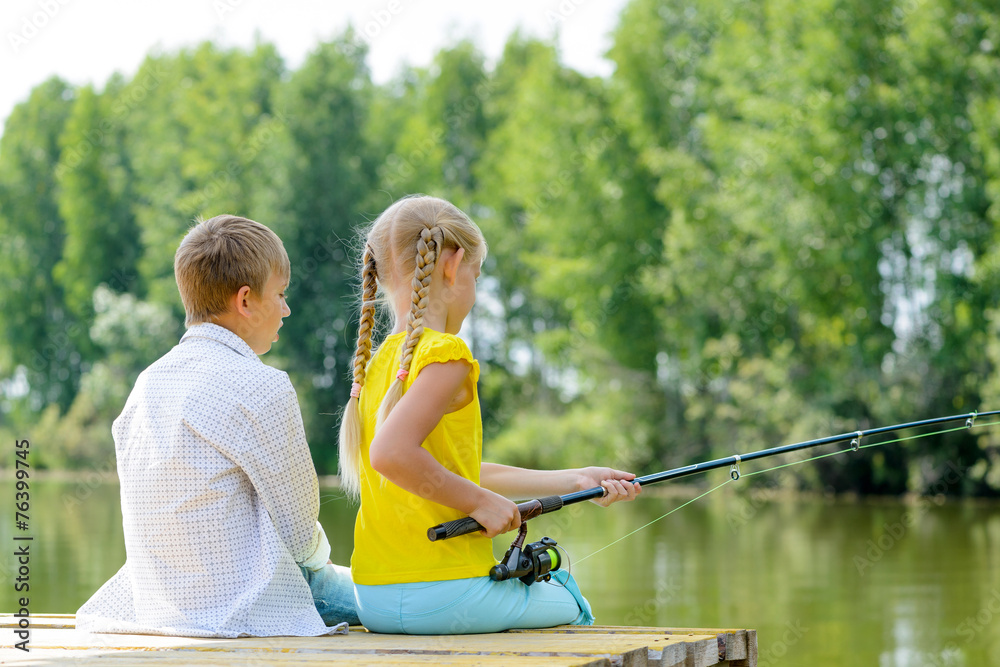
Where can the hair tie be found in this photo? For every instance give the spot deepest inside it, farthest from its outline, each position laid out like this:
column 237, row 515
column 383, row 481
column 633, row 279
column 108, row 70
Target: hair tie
column 355, row 390
column 401, row 375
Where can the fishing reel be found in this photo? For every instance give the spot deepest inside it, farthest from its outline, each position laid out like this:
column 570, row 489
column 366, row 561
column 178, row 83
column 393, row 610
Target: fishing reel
column 534, row 562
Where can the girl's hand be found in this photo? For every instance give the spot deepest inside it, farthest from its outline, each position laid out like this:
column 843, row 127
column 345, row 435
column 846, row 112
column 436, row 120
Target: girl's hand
column 496, row 514
column 617, row 484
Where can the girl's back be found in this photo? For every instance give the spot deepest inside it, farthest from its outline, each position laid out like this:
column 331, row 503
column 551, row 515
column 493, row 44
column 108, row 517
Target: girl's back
column 390, row 534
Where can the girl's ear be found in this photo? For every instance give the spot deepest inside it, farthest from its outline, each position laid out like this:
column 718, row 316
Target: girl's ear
column 449, row 265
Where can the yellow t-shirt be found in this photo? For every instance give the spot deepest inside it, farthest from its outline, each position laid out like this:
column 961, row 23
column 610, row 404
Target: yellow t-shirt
column 390, row 532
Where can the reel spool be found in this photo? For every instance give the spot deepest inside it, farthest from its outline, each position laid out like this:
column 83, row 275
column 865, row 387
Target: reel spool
column 534, row 562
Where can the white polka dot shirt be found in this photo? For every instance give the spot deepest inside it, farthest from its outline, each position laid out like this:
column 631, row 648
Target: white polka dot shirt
column 219, row 500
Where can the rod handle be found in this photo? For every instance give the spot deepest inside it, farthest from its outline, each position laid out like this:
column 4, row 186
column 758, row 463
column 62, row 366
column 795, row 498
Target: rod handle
column 529, row 510
column 462, row 526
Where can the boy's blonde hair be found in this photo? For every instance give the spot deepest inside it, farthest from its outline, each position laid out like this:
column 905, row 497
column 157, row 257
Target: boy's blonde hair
column 401, row 249
column 219, row 256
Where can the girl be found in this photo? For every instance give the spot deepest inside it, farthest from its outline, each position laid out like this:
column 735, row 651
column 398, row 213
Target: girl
column 411, row 445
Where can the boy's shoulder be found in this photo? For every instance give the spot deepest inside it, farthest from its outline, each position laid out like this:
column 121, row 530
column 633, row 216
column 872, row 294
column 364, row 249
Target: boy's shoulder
column 217, row 361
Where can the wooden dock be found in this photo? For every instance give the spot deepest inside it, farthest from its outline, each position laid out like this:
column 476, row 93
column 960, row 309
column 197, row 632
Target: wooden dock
column 54, row 640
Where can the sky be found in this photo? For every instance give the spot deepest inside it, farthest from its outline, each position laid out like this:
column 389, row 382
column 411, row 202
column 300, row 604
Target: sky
column 85, row 41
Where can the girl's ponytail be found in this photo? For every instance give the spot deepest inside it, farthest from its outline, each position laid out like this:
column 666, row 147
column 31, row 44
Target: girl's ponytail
column 428, row 248
column 350, row 424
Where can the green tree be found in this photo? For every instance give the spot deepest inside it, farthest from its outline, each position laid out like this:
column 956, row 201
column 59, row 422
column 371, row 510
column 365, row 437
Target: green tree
column 38, row 331
column 442, row 127
column 95, row 200
column 197, row 124
column 795, row 146
column 571, row 229
column 330, row 182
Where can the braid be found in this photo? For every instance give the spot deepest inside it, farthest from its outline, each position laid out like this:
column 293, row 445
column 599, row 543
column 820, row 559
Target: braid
column 428, row 248
column 369, row 286
column 350, row 424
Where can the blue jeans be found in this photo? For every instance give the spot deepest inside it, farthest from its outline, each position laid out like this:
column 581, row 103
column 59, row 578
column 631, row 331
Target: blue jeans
column 475, row 605
column 333, row 594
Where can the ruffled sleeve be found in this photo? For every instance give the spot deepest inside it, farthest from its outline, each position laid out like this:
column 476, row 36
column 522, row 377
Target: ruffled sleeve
column 435, row 347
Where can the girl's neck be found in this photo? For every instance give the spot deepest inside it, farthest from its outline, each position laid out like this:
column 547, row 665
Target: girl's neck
column 445, row 299
column 434, row 318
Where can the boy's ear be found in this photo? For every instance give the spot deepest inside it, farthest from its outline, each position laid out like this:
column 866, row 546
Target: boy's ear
column 450, row 264
column 241, row 300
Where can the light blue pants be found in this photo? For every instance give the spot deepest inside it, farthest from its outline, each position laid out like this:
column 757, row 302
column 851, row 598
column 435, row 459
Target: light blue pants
column 333, row 594
column 476, row 605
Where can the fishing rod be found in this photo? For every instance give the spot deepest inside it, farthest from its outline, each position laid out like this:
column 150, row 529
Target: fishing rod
column 536, row 507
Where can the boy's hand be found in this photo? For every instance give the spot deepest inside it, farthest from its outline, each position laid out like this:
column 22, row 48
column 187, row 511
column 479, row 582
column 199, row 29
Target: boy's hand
column 496, row 514
column 617, row 484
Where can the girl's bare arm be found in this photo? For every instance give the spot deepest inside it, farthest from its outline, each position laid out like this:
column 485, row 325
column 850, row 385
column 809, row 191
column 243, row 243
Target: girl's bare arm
column 397, row 453
column 521, row 483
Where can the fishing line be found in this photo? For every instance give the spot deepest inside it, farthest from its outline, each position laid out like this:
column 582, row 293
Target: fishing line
column 786, row 465
column 580, row 560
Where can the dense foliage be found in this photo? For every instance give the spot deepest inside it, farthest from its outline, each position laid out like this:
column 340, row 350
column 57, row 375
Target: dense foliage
column 774, row 221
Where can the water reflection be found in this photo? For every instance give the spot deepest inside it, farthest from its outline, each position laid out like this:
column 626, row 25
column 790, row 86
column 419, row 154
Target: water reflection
column 824, row 583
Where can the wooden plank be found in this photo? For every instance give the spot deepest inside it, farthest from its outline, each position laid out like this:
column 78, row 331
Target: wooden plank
column 734, row 645
column 55, row 635
column 69, row 621
column 172, row 658
column 363, row 642
column 751, row 651
column 674, row 655
column 702, row 653
column 632, row 629
column 40, row 621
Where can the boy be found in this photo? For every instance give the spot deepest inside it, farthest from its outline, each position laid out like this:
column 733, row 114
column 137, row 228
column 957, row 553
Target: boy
column 218, row 490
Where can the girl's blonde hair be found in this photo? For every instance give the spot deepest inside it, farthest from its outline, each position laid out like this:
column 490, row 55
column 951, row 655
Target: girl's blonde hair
column 404, row 242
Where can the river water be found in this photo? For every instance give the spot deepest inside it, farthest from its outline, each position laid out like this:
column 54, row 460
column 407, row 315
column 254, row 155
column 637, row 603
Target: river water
column 823, row 581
